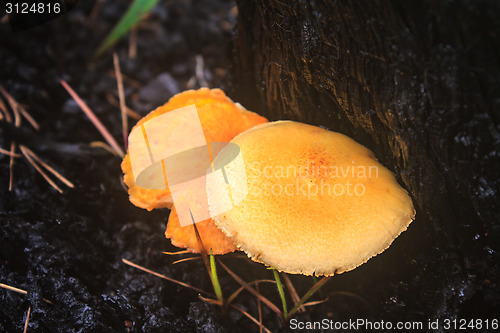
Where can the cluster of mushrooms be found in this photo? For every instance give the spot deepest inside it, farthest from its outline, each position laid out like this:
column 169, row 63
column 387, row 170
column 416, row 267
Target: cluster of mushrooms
column 355, row 212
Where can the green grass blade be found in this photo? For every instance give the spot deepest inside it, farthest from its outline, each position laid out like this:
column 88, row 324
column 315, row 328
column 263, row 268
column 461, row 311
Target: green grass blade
column 131, row 17
column 281, row 292
column 215, row 280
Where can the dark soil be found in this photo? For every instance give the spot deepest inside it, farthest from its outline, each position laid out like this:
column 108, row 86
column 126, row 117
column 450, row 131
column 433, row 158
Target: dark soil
column 68, row 247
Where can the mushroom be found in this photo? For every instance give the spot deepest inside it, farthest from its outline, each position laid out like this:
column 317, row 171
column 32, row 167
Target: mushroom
column 318, row 203
column 221, row 120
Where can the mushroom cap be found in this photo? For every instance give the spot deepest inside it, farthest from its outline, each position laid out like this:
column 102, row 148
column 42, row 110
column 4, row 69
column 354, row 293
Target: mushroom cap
column 221, row 120
column 185, row 237
column 317, row 203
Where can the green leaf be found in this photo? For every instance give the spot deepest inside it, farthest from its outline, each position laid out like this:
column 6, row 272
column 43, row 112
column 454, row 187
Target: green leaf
column 131, row 17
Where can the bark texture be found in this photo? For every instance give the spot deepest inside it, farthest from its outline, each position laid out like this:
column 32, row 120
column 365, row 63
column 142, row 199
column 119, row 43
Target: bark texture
column 419, row 84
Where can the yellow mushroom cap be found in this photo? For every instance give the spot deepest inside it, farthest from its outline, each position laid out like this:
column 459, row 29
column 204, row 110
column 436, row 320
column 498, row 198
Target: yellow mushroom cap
column 317, row 203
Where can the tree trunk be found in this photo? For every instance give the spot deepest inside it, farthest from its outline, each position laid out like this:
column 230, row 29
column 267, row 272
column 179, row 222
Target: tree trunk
column 419, row 84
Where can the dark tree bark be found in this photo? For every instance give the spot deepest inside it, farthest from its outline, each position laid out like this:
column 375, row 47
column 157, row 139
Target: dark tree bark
column 419, row 84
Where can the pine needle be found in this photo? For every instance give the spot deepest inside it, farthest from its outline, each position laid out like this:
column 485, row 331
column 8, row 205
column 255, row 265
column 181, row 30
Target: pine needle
column 132, row 114
column 259, row 309
column 93, row 118
column 203, row 252
column 121, row 96
column 251, row 318
column 315, row 302
column 18, row 110
column 8, row 117
column 26, row 151
column 9, row 153
column 240, row 289
column 2, row 108
column 29, row 118
column 209, row 300
column 40, row 171
column 165, row 277
column 216, row 302
column 126, row 79
column 11, row 164
column 132, row 48
column 293, row 292
column 185, row 259
column 176, row 253
column 353, row 295
column 252, row 290
column 21, row 291
column 309, row 293
column 113, row 101
column 17, row 290
column 27, row 320
column 103, row 145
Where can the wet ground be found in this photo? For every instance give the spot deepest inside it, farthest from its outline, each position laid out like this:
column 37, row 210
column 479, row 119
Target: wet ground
column 67, row 248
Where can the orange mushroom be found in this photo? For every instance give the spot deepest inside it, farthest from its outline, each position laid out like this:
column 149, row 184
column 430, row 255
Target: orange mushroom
column 317, row 201
column 221, row 120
